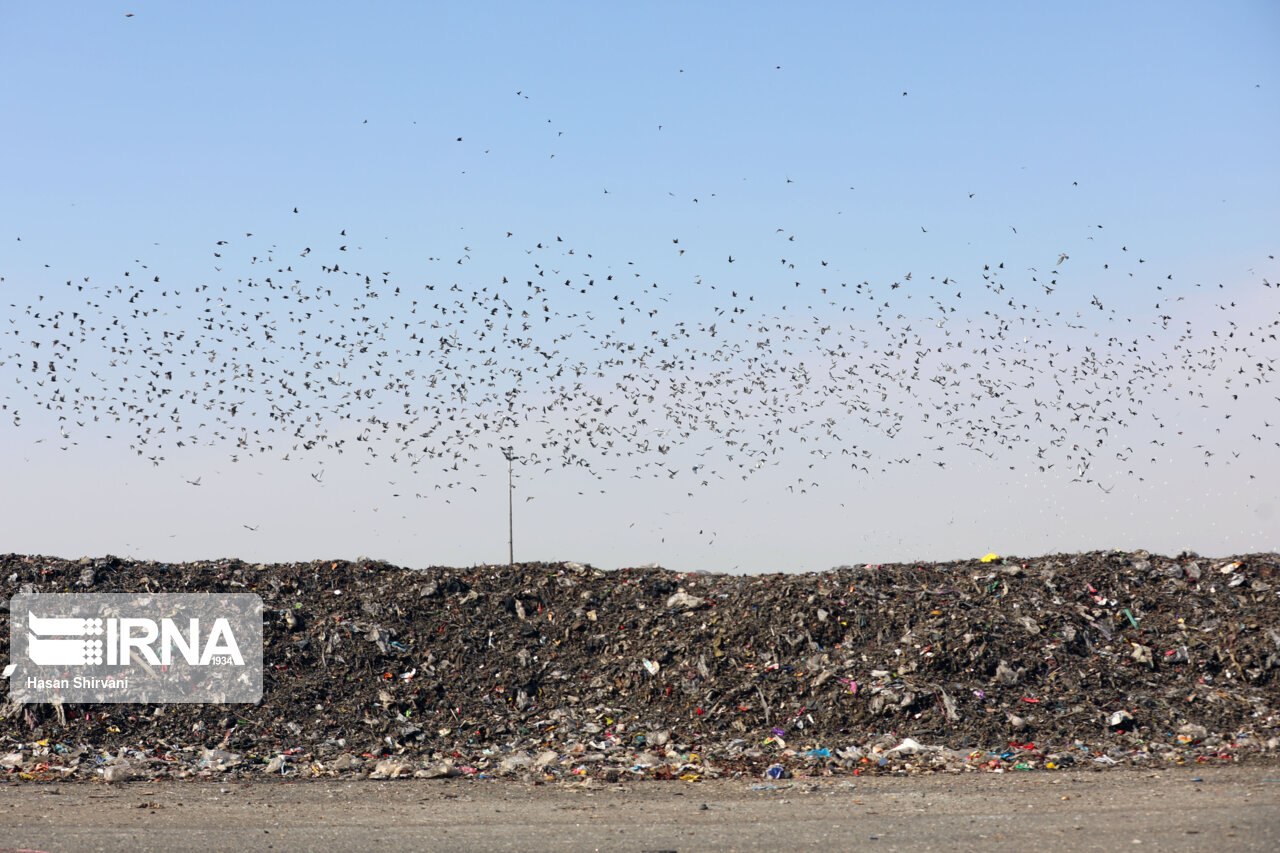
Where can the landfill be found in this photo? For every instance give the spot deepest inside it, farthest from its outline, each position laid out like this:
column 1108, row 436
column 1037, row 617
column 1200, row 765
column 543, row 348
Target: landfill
column 560, row 671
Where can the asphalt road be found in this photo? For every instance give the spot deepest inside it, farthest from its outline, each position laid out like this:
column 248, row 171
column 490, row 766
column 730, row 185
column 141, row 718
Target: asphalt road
column 1175, row 808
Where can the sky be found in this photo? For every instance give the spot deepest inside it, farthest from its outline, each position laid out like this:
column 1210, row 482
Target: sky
column 744, row 288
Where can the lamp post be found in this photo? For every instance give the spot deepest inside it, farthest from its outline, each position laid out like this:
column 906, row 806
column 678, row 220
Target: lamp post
column 510, row 456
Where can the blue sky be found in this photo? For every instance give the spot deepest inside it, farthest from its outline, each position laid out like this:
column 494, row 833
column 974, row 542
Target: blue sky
column 864, row 166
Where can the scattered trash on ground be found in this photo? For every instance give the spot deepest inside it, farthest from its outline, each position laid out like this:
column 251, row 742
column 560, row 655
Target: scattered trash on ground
column 560, row 671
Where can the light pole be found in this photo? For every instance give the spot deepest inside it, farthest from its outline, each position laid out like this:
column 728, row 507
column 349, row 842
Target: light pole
column 509, row 454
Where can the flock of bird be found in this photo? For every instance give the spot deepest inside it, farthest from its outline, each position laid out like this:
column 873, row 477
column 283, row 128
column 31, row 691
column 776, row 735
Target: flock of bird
column 582, row 362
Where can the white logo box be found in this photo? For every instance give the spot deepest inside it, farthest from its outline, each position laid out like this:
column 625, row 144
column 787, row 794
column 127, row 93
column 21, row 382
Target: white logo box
column 145, row 648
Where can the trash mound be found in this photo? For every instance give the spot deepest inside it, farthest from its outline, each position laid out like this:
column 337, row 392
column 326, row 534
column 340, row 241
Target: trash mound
column 549, row 671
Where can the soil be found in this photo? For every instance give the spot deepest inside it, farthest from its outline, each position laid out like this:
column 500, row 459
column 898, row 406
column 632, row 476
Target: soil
column 1207, row 809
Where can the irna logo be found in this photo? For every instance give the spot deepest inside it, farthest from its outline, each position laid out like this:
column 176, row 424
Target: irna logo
column 75, row 641
column 82, row 647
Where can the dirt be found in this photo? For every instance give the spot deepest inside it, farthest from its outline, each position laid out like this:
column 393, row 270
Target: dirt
column 1186, row 809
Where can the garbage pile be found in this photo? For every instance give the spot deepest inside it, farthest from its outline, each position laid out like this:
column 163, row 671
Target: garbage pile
column 546, row 671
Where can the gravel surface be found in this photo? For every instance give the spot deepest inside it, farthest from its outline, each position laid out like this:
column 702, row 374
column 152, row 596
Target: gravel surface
column 1183, row 809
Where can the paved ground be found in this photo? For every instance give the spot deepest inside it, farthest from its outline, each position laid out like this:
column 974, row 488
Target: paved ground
column 1209, row 809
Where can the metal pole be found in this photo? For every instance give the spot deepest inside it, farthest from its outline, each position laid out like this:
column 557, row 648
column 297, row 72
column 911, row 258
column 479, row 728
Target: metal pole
column 509, row 453
column 511, row 553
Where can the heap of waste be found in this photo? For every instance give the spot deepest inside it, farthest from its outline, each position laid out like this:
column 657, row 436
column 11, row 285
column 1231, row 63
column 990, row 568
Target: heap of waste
column 543, row 671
